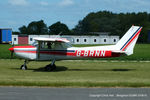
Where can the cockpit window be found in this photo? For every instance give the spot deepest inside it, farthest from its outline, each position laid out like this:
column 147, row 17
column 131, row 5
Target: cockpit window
column 52, row 45
column 46, row 45
column 35, row 44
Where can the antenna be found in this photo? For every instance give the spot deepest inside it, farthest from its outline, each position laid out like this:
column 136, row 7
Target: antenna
column 58, row 36
column 60, row 33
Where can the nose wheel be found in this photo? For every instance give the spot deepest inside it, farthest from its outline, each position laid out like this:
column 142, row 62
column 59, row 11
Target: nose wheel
column 24, row 66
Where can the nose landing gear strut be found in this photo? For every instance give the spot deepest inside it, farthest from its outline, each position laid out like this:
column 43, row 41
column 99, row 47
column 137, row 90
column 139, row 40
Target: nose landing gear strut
column 24, row 66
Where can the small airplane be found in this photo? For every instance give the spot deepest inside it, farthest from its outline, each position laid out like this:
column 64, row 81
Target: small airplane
column 54, row 49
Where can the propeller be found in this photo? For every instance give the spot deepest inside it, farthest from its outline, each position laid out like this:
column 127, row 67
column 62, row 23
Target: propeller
column 11, row 50
column 13, row 44
column 12, row 53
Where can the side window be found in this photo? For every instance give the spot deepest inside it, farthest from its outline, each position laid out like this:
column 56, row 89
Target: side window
column 47, row 45
column 57, row 46
column 31, row 39
column 105, row 40
column 77, row 40
column 84, row 40
column 15, row 39
column 94, row 40
column 114, row 40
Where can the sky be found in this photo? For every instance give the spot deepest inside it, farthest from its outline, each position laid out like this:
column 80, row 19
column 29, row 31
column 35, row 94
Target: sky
column 16, row 13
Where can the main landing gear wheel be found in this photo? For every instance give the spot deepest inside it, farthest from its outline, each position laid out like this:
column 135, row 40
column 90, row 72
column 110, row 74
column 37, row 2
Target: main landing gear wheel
column 50, row 67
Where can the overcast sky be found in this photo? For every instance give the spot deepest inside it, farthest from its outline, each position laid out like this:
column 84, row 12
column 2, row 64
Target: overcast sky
column 15, row 13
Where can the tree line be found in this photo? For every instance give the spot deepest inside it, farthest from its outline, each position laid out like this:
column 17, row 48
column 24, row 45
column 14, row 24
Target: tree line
column 40, row 28
column 102, row 21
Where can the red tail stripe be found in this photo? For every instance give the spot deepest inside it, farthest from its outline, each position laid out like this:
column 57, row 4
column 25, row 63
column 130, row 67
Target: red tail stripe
column 132, row 39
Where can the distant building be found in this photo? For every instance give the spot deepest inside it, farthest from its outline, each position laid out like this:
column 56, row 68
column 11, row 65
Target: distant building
column 5, row 35
column 101, row 39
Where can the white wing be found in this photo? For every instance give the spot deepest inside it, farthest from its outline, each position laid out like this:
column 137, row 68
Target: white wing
column 52, row 39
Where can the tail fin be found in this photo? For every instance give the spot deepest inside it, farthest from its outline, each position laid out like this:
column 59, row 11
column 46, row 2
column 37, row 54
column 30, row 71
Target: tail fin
column 128, row 41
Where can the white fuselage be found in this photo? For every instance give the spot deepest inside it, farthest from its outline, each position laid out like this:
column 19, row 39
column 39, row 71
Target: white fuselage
column 30, row 53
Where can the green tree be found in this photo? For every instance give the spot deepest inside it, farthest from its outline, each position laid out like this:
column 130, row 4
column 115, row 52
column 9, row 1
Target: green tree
column 97, row 22
column 58, row 28
column 37, row 27
column 23, row 30
column 117, row 24
column 15, row 33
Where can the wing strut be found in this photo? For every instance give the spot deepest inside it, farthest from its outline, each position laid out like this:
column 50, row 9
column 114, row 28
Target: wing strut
column 38, row 50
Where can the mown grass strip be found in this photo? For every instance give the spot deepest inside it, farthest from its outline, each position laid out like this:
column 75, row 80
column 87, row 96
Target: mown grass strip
column 85, row 73
column 74, row 84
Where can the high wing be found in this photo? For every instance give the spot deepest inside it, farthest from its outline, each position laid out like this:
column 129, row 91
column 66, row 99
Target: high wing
column 52, row 39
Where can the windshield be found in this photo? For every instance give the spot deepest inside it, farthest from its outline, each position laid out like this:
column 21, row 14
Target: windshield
column 35, row 44
column 66, row 45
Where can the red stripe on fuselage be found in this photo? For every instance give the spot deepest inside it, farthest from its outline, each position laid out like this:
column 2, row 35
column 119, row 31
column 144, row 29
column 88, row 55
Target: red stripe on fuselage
column 78, row 53
column 22, row 51
column 58, row 53
column 24, row 46
column 48, row 52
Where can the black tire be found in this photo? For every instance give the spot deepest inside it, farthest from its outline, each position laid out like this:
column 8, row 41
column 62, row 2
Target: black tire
column 50, row 67
column 23, row 67
column 53, row 67
column 47, row 68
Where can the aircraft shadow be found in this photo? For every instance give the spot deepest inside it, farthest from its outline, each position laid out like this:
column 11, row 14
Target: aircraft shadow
column 62, row 68
column 58, row 69
column 42, row 69
column 123, row 70
column 115, row 70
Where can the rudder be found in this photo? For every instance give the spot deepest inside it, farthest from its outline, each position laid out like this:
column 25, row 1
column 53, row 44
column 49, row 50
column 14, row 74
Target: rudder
column 128, row 41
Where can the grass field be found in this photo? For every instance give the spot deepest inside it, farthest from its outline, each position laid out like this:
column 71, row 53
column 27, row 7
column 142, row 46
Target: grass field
column 4, row 52
column 87, row 73
column 141, row 52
